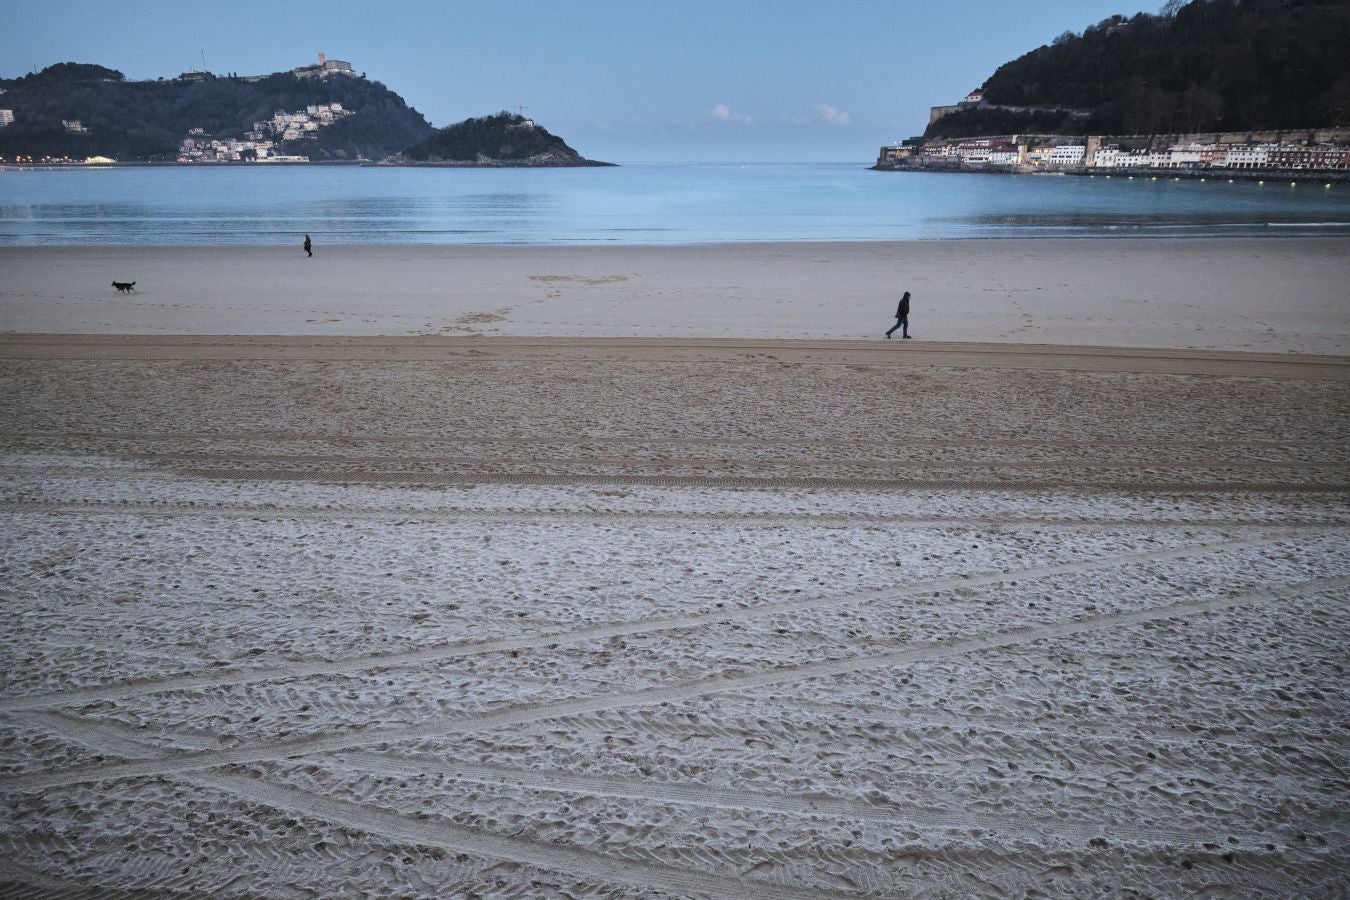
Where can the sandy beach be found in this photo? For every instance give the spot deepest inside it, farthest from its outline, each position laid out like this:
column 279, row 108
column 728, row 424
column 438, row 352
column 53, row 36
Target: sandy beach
column 1271, row 295
column 655, row 572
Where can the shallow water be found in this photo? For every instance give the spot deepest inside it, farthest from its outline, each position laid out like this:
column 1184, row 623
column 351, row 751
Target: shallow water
column 647, row 203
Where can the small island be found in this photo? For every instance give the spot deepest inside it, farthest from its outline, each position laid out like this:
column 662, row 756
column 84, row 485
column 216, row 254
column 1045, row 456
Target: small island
column 503, row 140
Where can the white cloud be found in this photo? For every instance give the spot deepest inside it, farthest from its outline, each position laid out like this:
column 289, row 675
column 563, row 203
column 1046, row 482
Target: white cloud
column 723, row 113
column 827, row 113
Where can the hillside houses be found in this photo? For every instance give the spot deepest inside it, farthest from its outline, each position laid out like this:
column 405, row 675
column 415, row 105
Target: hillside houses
column 261, row 142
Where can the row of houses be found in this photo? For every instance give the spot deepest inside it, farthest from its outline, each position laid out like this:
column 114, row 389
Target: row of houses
column 203, row 148
column 1009, row 152
column 262, row 142
column 1254, row 156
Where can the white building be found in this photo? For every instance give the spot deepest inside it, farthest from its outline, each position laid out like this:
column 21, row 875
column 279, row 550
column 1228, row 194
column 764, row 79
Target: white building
column 974, row 151
column 325, row 68
column 1107, row 157
column 1067, row 155
column 1254, row 157
column 944, row 151
column 6, row 117
column 1039, row 154
column 1134, row 159
column 1187, row 155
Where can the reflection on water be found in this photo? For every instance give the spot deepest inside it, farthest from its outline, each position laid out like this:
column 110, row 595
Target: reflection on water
column 633, row 204
column 1139, row 221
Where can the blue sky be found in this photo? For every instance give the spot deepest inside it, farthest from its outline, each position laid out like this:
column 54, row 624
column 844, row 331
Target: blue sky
column 620, row 80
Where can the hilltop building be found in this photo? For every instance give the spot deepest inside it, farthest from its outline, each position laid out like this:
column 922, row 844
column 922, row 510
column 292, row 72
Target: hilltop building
column 326, row 67
column 6, row 117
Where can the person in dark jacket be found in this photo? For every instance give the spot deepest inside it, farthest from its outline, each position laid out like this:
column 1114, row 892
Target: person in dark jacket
column 901, row 317
column 309, row 248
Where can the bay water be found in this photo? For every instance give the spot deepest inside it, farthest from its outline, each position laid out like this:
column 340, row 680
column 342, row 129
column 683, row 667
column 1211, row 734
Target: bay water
column 642, row 203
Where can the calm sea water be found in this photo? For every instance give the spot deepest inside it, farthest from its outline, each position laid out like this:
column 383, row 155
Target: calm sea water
column 633, row 204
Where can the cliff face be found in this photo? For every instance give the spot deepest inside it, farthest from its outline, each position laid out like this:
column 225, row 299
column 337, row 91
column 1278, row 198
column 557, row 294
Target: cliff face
column 500, row 140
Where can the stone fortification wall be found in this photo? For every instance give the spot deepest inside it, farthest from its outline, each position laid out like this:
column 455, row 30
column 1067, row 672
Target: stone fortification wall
column 937, row 112
column 1338, row 135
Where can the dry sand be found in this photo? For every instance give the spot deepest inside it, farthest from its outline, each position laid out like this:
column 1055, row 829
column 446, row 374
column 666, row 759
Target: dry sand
column 444, row 617
column 1261, row 295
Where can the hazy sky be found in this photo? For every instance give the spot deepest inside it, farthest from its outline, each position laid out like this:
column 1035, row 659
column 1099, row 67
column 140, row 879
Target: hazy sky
column 620, row 80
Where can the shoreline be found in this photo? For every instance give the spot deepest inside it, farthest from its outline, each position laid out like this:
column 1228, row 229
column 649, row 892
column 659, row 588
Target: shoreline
column 1223, row 294
column 1094, row 237
column 1328, row 176
column 407, row 348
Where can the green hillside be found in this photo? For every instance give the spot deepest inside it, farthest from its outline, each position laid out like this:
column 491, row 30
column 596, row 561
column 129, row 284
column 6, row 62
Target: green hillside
column 146, row 120
column 503, row 139
column 1208, row 65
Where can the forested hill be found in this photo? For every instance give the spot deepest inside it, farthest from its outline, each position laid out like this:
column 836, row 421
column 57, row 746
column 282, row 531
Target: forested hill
column 1207, row 65
column 501, row 140
column 147, row 120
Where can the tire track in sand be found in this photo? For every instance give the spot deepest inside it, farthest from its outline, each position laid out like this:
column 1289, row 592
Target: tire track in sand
column 835, row 461
column 770, row 482
column 587, row 865
column 123, row 740
column 243, row 510
column 367, row 818
column 894, row 816
column 296, row 747
column 625, row 440
column 578, row 862
column 304, row 669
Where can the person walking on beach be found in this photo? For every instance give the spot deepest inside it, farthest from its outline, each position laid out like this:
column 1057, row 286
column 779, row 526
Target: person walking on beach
column 901, row 317
column 309, row 248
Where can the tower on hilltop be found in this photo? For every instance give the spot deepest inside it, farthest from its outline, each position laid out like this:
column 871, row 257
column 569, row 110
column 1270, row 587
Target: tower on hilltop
column 325, row 67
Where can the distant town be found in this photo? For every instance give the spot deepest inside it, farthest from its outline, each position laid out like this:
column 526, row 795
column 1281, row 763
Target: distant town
column 260, row 144
column 263, row 143
column 1248, row 154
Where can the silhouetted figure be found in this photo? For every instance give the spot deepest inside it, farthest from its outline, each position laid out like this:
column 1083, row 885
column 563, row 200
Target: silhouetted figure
column 309, row 248
column 901, row 317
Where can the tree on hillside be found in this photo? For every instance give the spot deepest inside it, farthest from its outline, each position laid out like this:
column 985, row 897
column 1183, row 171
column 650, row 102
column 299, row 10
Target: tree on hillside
column 146, row 120
column 1231, row 65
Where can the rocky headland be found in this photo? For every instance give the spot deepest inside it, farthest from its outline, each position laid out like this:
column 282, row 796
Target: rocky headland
column 502, row 140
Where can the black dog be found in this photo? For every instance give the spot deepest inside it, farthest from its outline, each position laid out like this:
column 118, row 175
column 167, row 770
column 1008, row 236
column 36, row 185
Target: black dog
column 125, row 287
